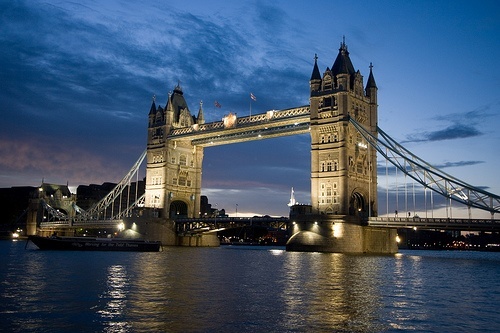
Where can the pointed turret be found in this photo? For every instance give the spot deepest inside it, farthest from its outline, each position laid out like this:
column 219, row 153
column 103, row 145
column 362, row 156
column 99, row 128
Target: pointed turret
column 169, row 112
column 371, row 87
column 178, row 103
column 315, row 82
column 152, row 112
column 343, row 64
column 342, row 68
column 200, row 119
column 371, row 80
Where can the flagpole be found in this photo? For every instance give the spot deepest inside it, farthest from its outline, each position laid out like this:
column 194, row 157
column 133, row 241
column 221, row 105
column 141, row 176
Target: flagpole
column 252, row 98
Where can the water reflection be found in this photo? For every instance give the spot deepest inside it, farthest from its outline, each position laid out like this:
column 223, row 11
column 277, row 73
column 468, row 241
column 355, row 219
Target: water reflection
column 247, row 290
column 331, row 292
column 406, row 282
column 115, row 298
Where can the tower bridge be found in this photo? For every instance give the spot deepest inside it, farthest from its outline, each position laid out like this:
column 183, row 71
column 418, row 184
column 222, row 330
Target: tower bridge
column 342, row 120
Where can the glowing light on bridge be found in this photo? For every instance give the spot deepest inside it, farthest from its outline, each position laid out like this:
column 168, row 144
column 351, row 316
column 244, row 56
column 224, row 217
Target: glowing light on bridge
column 229, row 120
column 362, row 145
column 338, row 230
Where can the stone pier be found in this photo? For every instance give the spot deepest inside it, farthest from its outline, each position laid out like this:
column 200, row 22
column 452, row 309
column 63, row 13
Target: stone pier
column 342, row 234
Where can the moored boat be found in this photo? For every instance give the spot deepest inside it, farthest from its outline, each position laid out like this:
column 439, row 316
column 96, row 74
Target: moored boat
column 94, row 244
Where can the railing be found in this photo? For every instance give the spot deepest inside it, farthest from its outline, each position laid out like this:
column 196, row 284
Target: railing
column 436, row 223
column 243, row 121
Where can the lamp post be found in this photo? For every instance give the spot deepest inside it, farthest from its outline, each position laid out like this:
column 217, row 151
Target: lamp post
column 236, row 210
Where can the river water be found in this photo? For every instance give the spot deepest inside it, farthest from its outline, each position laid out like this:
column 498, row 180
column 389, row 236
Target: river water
column 247, row 289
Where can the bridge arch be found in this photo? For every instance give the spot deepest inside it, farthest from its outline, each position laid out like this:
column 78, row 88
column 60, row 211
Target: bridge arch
column 178, row 209
column 357, row 204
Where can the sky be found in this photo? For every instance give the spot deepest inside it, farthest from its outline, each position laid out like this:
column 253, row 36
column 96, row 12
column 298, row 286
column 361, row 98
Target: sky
column 77, row 80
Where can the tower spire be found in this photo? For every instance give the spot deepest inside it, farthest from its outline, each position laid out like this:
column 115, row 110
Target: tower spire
column 292, row 199
column 371, row 86
column 200, row 119
column 315, row 81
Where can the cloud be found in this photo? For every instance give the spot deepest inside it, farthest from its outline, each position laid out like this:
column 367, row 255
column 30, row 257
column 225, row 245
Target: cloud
column 84, row 76
column 56, row 162
column 464, row 125
column 391, row 169
column 456, row 131
column 457, row 164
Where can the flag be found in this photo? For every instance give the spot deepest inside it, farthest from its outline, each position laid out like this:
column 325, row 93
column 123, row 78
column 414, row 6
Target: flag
column 217, row 104
column 252, row 96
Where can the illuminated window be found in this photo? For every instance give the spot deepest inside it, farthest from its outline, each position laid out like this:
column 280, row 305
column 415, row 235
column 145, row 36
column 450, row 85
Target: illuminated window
column 156, row 180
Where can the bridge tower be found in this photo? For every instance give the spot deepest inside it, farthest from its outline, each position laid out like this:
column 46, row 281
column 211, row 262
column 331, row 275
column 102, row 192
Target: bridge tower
column 343, row 173
column 46, row 203
column 173, row 171
column 343, row 165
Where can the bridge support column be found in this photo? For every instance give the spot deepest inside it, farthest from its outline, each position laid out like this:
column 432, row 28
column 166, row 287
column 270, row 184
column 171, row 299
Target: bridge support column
column 199, row 240
column 32, row 217
column 341, row 234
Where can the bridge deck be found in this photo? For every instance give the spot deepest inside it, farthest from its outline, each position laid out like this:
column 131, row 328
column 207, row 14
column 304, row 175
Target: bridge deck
column 436, row 223
column 274, row 123
column 386, row 222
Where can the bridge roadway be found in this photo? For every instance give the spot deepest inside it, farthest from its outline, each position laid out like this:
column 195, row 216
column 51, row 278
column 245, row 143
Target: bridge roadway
column 91, row 224
column 436, row 223
column 211, row 223
column 205, row 224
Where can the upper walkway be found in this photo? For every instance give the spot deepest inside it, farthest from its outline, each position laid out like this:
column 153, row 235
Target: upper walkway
column 232, row 129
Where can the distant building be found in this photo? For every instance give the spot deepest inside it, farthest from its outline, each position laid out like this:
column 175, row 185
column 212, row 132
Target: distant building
column 13, row 205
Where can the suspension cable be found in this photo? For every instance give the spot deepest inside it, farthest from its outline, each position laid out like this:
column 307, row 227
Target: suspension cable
column 436, row 180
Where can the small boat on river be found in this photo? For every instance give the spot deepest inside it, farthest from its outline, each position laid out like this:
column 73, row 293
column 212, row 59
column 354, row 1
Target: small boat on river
column 94, row 244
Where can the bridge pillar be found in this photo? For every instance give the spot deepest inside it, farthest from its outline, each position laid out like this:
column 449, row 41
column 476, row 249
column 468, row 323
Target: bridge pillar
column 341, row 234
column 343, row 167
column 32, row 216
column 174, row 165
